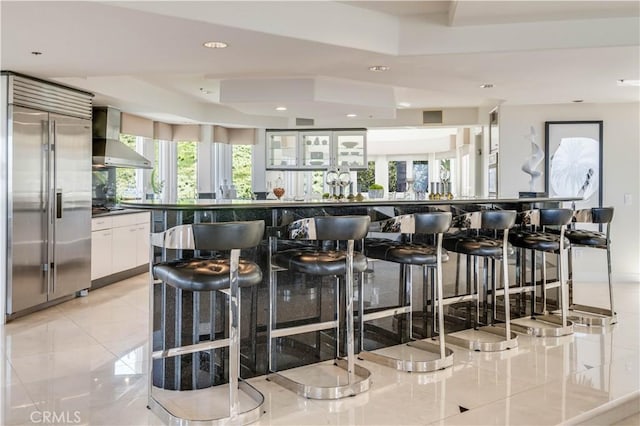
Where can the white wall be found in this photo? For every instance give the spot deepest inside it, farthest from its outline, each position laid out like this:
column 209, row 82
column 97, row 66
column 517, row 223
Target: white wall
column 621, row 164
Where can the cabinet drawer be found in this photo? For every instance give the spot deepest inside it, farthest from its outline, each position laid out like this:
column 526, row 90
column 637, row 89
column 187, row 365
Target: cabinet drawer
column 99, row 223
column 130, row 219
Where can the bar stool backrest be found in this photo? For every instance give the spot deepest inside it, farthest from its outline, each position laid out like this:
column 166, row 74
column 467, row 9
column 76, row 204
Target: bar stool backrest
column 179, row 237
column 432, row 223
column 555, row 217
column 594, row 215
column 498, row 219
column 228, row 235
column 330, row 228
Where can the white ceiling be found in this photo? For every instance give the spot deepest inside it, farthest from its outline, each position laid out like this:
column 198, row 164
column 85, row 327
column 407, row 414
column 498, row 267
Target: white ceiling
column 147, row 57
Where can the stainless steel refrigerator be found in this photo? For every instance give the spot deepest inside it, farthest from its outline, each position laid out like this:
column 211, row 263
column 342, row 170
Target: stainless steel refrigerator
column 46, row 147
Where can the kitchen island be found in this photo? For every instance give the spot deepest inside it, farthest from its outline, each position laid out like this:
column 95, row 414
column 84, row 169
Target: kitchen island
column 278, row 212
column 301, row 298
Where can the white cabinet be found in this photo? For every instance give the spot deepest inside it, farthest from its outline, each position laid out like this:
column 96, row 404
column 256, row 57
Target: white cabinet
column 119, row 243
column 142, row 242
column 316, row 149
column 124, row 248
column 101, row 264
column 282, row 149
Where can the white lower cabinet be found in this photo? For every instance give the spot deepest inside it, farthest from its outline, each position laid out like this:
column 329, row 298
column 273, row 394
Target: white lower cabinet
column 124, row 248
column 119, row 243
column 101, row 264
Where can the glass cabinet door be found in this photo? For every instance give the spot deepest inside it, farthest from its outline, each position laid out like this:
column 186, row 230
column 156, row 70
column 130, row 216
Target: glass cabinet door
column 316, row 149
column 282, row 149
column 350, row 149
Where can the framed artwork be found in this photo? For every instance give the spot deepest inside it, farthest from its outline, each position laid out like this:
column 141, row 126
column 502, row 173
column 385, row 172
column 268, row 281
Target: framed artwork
column 573, row 161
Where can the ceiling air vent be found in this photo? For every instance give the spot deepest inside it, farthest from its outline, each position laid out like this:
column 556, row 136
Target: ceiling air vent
column 304, row 121
column 432, row 117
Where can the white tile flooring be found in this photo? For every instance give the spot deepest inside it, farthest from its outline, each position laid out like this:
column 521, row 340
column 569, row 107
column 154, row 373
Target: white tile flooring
column 84, row 361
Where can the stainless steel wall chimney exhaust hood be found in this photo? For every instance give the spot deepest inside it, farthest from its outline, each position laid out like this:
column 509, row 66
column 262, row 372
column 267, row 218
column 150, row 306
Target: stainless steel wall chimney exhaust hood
column 108, row 151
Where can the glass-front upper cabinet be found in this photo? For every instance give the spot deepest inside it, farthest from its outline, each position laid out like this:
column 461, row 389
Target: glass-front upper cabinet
column 282, row 149
column 317, row 149
column 351, row 148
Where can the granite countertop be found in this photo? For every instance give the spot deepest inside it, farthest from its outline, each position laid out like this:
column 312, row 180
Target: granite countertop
column 119, row 211
column 270, row 204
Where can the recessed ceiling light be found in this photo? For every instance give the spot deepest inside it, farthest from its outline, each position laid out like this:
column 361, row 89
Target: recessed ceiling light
column 215, row 44
column 36, row 53
column 624, row 82
column 352, row 115
column 281, row 108
column 379, row 68
column 404, row 104
column 577, row 101
column 486, row 86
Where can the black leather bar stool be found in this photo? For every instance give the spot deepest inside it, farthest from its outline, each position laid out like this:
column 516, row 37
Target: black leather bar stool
column 199, row 275
column 533, row 235
column 582, row 314
column 328, row 258
column 408, row 253
column 482, row 239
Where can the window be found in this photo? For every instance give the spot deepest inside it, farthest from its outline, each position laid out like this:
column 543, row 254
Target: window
column 186, row 170
column 421, row 176
column 397, row 176
column 367, row 177
column 317, row 182
column 126, row 187
column 241, row 173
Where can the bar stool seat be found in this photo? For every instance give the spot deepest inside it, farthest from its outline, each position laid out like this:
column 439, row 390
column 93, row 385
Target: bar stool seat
column 333, row 256
column 206, row 274
column 539, row 241
column 400, row 252
column 318, row 262
column 479, row 245
column 584, row 237
column 196, row 276
column 408, row 253
column 536, row 233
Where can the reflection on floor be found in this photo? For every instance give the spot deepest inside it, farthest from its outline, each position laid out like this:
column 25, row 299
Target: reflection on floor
column 84, row 362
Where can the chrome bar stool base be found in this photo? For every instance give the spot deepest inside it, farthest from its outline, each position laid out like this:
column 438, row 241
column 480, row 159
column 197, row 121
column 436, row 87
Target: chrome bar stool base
column 359, row 382
column 349, row 379
column 551, row 326
column 591, row 316
column 413, row 366
column 250, row 407
column 409, row 254
column 508, row 342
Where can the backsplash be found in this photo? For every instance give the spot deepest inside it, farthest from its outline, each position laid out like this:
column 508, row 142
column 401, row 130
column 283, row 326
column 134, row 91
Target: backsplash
column 103, row 187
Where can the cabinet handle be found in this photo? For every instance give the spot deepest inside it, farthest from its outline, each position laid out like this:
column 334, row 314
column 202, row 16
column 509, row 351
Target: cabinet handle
column 106, row 234
column 100, row 222
column 132, row 229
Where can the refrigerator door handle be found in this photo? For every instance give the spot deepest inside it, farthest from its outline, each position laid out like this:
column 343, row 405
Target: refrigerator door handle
column 45, row 198
column 52, row 208
column 58, row 205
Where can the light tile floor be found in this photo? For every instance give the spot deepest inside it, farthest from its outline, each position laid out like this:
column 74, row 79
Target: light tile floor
column 84, row 362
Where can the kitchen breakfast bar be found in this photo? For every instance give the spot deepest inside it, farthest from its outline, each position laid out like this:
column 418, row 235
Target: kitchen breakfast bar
column 184, row 323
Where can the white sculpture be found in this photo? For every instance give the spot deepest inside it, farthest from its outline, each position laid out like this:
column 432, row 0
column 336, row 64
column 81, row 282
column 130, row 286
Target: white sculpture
column 532, row 163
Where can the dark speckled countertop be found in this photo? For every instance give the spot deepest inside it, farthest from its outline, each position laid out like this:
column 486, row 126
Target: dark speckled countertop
column 191, row 205
column 103, row 213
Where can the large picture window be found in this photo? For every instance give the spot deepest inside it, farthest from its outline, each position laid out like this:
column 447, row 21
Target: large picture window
column 186, row 179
